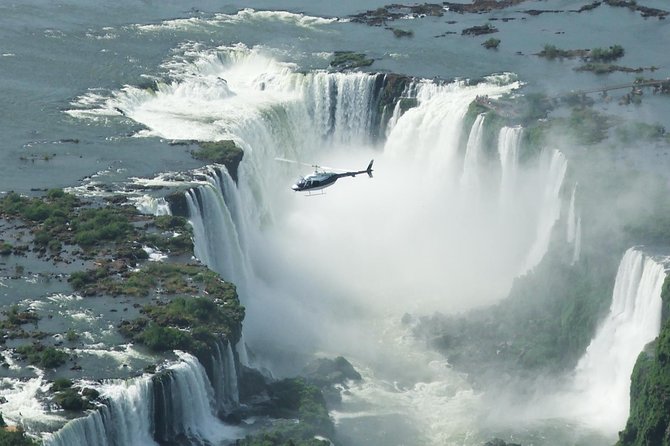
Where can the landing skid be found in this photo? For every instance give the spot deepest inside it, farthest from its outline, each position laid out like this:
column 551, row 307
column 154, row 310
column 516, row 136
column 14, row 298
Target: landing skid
column 310, row 194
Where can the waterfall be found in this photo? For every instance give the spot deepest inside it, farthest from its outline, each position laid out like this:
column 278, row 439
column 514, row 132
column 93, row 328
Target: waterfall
column 577, row 247
column 430, row 133
column 602, row 376
column 571, row 226
column 223, row 376
column 555, row 165
column 574, row 228
column 143, row 411
column 125, row 418
column 211, row 218
column 242, row 353
column 340, row 104
column 509, row 139
column 472, row 161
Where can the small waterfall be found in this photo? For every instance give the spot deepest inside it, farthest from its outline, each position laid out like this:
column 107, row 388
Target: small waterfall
column 126, row 418
column 223, row 376
column 602, row 376
column 472, row 161
column 571, row 226
column 184, row 404
column 574, row 228
column 577, row 250
column 555, row 165
column 147, row 204
column 141, row 412
column 242, row 353
column 232, row 390
column 509, row 139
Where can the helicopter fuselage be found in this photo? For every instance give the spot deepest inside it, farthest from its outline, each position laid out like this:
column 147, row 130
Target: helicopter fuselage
column 321, row 179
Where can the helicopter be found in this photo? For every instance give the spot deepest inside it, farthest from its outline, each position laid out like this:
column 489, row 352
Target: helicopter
column 323, row 176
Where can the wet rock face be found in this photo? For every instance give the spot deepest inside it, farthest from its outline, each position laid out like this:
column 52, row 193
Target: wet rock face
column 323, row 371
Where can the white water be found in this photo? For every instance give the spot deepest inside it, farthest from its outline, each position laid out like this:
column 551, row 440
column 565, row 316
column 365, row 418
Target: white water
column 602, row 378
column 574, row 227
column 336, row 273
column 473, row 158
column 508, row 150
column 127, row 416
column 554, row 165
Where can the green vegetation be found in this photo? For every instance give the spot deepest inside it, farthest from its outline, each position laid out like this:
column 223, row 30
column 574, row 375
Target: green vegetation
column 71, row 335
column 606, row 55
column 348, row 60
column 491, row 44
column 551, row 52
column 61, row 384
column 16, row 317
column 295, row 399
column 101, row 224
column 172, row 278
column 14, row 437
column 5, row 249
column 630, row 132
column 588, row 126
column 60, row 218
column 605, row 68
column 543, row 326
column 41, row 356
column 73, row 398
column 189, row 323
column 224, row 152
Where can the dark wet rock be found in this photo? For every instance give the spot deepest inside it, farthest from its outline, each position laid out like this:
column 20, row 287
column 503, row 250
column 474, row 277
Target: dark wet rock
column 389, row 13
column 499, row 442
column 348, row 60
column 536, row 12
column 324, row 371
column 643, row 10
column 479, row 30
column 402, row 33
column 480, row 6
column 251, row 384
column 178, row 204
column 590, row 7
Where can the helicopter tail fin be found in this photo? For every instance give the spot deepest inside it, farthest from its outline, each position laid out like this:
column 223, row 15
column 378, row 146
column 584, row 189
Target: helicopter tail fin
column 369, row 169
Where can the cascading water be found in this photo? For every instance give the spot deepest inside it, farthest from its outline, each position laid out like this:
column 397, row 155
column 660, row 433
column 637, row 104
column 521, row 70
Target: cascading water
column 574, row 228
column 125, row 418
column 178, row 401
column 223, row 376
column 341, row 267
column 472, row 162
column 508, row 150
column 211, row 218
column 602, row 376
column 554, row 166
column 184, row 404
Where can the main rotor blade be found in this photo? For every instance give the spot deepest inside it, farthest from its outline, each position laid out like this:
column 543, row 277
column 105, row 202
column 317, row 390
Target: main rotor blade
column 285, row 160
